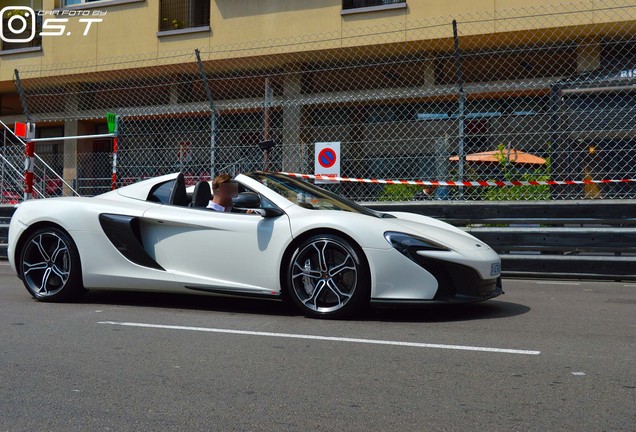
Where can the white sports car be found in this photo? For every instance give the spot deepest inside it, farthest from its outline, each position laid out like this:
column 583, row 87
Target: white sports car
column 329, row 255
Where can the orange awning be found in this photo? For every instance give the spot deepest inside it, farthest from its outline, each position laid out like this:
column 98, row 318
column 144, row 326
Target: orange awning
column 516, row 156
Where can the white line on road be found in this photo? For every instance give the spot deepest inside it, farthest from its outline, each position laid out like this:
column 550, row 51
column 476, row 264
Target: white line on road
column 326, row 338
column 556, row 283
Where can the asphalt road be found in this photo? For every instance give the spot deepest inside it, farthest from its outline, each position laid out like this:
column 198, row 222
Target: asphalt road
column 548, row 356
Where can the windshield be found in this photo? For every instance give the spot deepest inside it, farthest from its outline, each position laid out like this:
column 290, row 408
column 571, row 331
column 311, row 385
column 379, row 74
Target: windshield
column 307, row 195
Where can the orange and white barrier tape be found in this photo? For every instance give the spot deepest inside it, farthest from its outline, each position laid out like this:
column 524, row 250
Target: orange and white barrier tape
column 458, row 183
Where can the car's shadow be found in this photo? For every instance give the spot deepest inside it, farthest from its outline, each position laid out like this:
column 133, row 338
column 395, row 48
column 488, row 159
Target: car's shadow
column 491, row 309
column 232, row 305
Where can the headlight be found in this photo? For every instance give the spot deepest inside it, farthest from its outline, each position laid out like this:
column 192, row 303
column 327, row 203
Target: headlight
column 408, row 244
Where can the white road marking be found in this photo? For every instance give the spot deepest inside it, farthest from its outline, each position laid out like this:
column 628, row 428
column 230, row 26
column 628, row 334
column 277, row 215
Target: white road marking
column 578, row 373
column 629, row 285
column 557, row 283
column 326, row 338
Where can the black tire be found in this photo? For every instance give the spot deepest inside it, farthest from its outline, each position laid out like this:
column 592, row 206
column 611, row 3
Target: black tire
column 50, row 266
column 327, row 277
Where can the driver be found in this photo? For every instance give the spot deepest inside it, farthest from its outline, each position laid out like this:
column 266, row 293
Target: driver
column 223, row 190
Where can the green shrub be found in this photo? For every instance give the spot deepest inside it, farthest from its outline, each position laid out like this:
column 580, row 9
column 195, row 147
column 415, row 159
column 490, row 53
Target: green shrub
column 512, row 173
column 399, row 192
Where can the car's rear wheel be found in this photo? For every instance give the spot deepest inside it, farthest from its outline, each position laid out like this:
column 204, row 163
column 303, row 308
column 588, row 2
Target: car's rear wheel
column 328, row 277
column 50, row 266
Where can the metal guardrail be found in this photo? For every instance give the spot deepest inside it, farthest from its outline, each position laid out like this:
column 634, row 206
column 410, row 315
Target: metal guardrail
column 578, row 239
column 6, row 212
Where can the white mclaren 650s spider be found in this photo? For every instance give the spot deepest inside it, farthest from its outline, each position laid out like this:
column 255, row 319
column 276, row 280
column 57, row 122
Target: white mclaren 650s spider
column 293, row 240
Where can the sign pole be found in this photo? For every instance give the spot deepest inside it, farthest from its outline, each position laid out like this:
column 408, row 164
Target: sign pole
column 461, row 109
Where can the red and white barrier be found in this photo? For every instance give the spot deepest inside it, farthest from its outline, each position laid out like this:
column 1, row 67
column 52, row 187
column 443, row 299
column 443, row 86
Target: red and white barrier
column 113, row 183
column 458, row 183
column 29, row 161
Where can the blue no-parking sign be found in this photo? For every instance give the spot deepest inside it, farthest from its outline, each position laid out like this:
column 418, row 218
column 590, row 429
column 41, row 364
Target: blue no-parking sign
column 327, row 160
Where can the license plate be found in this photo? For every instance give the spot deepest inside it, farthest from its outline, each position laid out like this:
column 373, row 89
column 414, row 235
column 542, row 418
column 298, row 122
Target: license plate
column 495, row 269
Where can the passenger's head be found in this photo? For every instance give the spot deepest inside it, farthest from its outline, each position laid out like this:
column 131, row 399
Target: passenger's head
column 223, row 186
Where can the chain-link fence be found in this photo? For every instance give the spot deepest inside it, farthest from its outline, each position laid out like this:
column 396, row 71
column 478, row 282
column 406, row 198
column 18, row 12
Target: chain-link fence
column 529, row 94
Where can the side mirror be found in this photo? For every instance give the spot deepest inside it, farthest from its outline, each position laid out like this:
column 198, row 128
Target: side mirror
column 246, row 200
column 251, row 201
column 268, row 212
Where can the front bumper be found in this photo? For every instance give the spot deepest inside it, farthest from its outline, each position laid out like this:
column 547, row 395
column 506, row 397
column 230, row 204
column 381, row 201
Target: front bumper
column 456, row 283
column 460, row 283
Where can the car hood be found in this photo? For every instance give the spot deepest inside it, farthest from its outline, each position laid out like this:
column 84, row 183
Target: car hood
column 435, row 230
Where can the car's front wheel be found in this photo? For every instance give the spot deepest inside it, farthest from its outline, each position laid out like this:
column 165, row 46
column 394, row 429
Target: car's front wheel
column 328, row 277
column 50, row 266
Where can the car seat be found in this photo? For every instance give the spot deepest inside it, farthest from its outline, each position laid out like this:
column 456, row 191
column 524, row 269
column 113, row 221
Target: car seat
column 178, row 195
column 202, row 194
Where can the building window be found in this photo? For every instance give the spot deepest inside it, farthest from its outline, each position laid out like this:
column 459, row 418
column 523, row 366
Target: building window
column 184, row 14
column 94, row 4
column 77, row 2
column 20, row 29
column 357, row 4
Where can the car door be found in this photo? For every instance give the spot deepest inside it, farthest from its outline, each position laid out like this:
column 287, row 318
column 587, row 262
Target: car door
column 217, row 252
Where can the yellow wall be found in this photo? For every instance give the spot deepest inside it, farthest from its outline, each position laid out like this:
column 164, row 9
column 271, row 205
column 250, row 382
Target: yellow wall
column 131, row 29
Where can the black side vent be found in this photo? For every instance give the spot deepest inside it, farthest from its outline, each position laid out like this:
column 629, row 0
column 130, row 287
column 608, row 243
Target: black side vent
column 123, row 232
